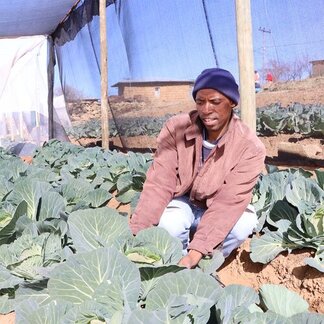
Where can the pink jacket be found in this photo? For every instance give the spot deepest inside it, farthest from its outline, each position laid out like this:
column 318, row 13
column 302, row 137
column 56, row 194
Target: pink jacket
column 223, row 184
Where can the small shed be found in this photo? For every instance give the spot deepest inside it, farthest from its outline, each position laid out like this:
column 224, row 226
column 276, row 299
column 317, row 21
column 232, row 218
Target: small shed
column 317, row 68
column 156, row 91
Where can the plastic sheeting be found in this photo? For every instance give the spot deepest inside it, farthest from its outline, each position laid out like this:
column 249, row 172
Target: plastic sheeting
column 32, row 17
column 24, row 111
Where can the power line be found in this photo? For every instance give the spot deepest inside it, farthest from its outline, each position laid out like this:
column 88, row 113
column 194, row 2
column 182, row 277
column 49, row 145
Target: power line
column 295, row 44
column 268, row 22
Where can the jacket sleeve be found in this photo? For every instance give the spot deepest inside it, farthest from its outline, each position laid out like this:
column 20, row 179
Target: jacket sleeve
column 160, row 183
column 229, row 202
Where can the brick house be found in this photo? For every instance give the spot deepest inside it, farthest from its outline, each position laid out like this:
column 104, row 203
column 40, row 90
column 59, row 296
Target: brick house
column 317, row 68
column 156, row 91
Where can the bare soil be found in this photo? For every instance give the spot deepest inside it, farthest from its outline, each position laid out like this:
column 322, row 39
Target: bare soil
column 288, row 270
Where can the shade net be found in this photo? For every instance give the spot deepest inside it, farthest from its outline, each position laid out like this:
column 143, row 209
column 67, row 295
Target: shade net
column 157, row 48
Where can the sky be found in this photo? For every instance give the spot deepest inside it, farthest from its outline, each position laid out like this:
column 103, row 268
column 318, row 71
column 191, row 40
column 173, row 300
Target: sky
column 174, row 40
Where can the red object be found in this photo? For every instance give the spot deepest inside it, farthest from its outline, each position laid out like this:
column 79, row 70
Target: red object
column 269, row 77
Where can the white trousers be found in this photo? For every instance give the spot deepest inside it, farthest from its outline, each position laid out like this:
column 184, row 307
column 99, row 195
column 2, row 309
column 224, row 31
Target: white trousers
column 181, row 217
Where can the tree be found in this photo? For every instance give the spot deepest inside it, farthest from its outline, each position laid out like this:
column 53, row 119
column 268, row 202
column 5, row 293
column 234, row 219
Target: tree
column 289, row 71
column 70, row 93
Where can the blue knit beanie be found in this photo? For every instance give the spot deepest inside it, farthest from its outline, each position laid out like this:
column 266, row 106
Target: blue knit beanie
column 220, row 80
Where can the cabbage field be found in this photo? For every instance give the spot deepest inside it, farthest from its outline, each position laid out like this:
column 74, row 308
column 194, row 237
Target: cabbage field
column 273, row 119
column 68, row 258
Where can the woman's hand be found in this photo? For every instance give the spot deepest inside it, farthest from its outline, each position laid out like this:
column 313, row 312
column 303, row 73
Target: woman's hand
column 191, row 259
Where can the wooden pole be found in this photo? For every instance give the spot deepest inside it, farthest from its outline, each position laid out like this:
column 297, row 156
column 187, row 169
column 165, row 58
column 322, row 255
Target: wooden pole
column 50, row 97
column 246, row 66
column 104, row 75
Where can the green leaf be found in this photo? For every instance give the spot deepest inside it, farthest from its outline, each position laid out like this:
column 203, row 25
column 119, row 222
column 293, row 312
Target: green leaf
column 140, row 316
column 110, row 186
column 34, row 292
column 320, row 178
column 41, row 174
column 144, row 256
column 282, row 210
column 75, row 190
column 210, row 264
column 181, row 283
column 7, row 304
column 5, row 186
column 87, row 312
column 318, row 261
column 307, row 318
column 78, row 279
column 151, row 275
column 7, row 280
column 93, row 228
column 52, row 250
column 134, row 201
column 268, row 246
column 7, row 232
column 31, row 191
column 97, row 197
column 127, row 196
column 124, row 181
column 24, row 256
column 17, row 169
column 271, row 168
column 282, row 301
column 169, row 248
column 86, row 174
column 189, row 293
column 265, row 318
column 317, row 219
column 234, row 296
column 305, row 194
column 52, row 204
column 30, row 312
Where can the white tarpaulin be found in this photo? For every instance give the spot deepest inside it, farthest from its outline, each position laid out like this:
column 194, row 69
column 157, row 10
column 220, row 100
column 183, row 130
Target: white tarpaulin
column 24, row 112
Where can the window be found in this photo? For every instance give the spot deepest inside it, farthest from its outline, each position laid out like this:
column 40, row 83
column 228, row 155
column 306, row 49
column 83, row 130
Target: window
column 157, row 92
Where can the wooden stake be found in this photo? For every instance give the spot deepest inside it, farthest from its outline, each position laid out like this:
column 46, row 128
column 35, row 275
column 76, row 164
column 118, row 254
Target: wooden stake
column 10, row 122
column 50, row 98
column 246, row 66
column 104, row 75
column 37, row 128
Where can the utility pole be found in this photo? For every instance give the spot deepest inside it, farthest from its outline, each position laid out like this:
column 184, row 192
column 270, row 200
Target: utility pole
column 264, row 31
column 246, row 66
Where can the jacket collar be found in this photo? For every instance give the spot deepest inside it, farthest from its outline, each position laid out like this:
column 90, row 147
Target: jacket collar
column 194, row 130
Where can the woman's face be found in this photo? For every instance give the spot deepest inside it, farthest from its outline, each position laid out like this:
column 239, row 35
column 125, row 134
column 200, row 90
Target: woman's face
column 215, row 111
